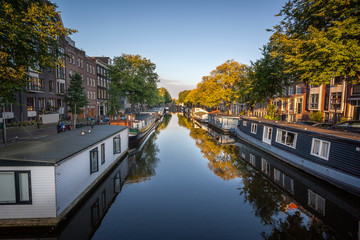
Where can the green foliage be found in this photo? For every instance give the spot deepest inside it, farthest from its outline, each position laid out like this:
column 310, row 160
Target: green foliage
column 183, row 95
column 271, row 112
column 320, row 39
column 165, row 96
column 29, row 29
column 114, row 101
column 221, row 86
column 75, row 96
column 316, row 116
column 267, row 77
column 135, row 78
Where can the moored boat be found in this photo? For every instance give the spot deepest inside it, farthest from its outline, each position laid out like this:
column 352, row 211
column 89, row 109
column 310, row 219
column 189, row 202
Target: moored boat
column 42, row 180
column 330, row 155
column 223, row 122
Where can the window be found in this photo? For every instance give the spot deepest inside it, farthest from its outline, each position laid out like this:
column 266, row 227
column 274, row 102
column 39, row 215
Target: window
column 316, row 202
column 356, row 89
column 94, row 165
column 314, row 101
column 286, row 138
column 267, row 135
column 15, row 187
column 253, row 128
column 51, row 86
column 320, row 148
column 252, row 159
column 95, row 213
column 283, row 180
column 117, row 183
column 265, row 166
column 117, row 144
column 103, row 153
column 245, row 123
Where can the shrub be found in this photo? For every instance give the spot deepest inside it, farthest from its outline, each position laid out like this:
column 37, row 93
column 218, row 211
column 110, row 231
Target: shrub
column 316, row 116
column 271, row 112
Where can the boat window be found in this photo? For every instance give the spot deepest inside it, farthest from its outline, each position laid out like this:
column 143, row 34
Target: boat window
column 267, row 135
column 252, row 159
column 103, row 153
column 117, row 144
column 245, row 123
column 254, row 128
column 15, row 187
column 265, row 167
column 320, row 148
column 94, row 165
column 316, row 202
column 286, row 138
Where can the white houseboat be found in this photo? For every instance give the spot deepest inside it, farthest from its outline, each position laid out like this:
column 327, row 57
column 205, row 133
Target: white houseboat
column 42, row 180
column 223, row 122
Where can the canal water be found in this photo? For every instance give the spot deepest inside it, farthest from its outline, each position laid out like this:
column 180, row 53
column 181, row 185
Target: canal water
column 187, row 181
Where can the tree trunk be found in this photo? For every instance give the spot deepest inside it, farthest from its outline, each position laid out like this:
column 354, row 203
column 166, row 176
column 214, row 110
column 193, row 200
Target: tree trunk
column 75, row 117
column 4, row 125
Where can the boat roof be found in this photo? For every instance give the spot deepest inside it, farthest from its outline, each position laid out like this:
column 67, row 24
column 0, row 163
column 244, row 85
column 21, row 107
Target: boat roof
column 223, row 115
column 308, row 129
column 55, row 148
column 142, row 116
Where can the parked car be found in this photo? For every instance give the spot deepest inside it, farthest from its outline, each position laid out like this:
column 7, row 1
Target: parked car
column 310, row 123
column 350, row 126
column 323, row 125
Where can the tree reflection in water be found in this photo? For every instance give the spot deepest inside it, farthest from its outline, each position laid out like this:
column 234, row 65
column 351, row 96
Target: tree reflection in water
column 145, row 161
column 222, row 158
column 270, row 203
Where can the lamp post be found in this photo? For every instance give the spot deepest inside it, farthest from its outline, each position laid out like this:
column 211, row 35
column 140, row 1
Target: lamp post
column 335, row 101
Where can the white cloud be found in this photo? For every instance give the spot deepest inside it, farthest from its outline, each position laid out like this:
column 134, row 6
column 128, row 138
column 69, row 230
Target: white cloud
column 175, row 86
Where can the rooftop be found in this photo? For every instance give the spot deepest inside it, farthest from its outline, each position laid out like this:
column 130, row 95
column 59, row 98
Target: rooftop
column 310, row 129
column 55, row 148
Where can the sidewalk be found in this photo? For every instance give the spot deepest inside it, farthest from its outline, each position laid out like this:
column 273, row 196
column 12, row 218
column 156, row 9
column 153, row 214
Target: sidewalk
column 27, row 133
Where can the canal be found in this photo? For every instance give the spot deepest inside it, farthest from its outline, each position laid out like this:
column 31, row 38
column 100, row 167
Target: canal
column 189, row 182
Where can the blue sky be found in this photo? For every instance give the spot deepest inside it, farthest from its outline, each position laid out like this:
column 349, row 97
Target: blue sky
column 186, row 39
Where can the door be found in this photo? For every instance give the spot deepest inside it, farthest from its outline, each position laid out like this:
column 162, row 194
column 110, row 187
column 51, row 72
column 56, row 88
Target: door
column 267, row 134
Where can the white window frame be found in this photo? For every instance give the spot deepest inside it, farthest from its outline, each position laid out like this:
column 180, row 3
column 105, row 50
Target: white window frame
column 252, row 159
column 319, row 204
column 266, row 138
column 254, row 128
column 265, row 167
column 320, row 149
column 244, row 123
column 286, row 133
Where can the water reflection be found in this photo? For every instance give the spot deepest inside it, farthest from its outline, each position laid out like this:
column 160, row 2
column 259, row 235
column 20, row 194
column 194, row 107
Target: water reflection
column 293, row 204
column 145, row 158
column 222, row 158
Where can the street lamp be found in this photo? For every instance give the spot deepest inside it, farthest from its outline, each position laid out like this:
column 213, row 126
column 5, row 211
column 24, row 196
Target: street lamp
column 335, row 101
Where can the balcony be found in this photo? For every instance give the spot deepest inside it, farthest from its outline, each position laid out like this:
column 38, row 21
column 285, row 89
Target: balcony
column 36, row 88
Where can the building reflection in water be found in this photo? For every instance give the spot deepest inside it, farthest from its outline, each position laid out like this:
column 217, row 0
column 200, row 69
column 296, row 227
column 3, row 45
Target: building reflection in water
column 294, row 205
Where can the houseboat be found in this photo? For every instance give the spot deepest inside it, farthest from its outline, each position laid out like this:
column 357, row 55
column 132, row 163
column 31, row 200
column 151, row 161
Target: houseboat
column 330, row 155
column 200, row 114
column 223, row 122
column 304, row 192
column 139, row 124
column 42, row 180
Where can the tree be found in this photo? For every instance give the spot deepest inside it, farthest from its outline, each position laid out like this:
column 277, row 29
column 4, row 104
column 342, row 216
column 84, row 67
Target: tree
column 136, row 79
column 75, row 97
column 183, row 95
column 268, row 77
column 29, row 39
column 165, row 95
column 114, row 102
column 221, row 86
column 320, row 39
